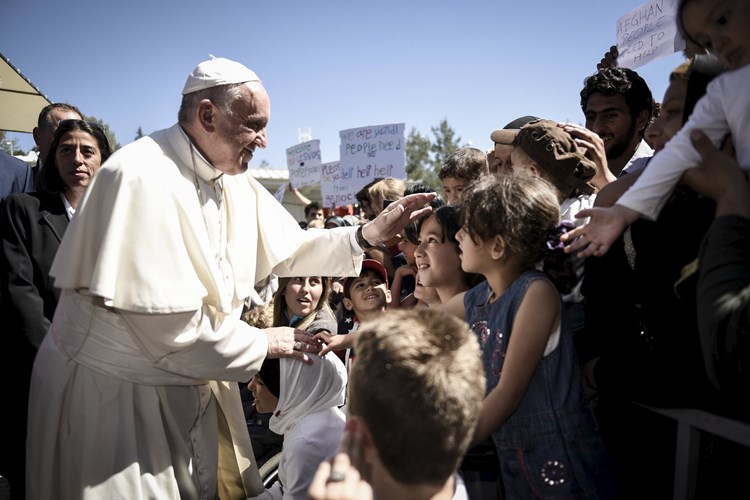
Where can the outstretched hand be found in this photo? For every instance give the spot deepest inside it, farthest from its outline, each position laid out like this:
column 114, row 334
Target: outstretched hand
column 596, row 237
column 287, row 342
column 334, row 342
column 397, row 215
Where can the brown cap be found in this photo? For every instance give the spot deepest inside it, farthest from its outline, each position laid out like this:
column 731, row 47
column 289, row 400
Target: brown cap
column 556, row 152
column 508, row 132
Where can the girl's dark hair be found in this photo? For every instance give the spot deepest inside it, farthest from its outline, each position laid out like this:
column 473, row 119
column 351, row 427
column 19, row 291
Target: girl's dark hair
column 525, row 211
column 449, row 218
column 411, row 231
column 48, row 180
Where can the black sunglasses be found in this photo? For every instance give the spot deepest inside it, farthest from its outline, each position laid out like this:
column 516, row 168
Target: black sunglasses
column 74, row 121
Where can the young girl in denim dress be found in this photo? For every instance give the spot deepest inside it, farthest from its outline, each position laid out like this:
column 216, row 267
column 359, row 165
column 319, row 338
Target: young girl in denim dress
column 534, row 408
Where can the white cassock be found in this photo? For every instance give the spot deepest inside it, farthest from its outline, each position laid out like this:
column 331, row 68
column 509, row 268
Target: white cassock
column 135, row 383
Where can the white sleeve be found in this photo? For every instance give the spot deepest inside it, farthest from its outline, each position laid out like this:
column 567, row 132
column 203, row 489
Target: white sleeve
column 330, row 252
column 653, row 188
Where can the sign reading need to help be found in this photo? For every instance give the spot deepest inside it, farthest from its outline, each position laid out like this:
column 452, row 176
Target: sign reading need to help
column 367, row 153
column 647, row 33
column 303, row 162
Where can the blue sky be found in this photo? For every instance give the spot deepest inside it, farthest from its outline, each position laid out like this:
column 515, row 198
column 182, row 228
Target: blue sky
column 327, row 65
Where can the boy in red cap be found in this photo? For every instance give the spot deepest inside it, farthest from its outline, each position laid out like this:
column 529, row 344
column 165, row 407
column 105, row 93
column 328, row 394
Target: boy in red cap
column 366, row 296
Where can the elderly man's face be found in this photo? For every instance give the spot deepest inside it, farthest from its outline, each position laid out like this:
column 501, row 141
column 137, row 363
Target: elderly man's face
column 502, row 164
column 236, row 135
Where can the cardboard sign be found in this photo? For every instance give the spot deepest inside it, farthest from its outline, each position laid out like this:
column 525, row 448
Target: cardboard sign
column 647, row 33
column 303, row 162
column 335, row 189
column 370, row 152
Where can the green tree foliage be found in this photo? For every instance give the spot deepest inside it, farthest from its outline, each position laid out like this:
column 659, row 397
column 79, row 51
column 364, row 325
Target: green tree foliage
column 424, row 157
column 138, row 133
column 113, row 144
column 418, row 161
column 446, row 142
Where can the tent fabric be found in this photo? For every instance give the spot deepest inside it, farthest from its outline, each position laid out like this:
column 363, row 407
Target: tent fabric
column 20, row 100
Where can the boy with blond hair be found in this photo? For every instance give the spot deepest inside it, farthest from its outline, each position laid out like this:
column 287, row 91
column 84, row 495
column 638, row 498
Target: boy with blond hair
column 415, row 395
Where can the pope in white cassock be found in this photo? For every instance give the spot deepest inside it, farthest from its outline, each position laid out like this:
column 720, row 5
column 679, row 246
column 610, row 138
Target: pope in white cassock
column 134, row 391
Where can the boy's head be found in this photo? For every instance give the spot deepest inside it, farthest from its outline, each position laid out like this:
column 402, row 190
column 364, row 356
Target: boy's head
column 369, row 291
column 313, row 211
column 719, row 26
column 417, row 387
column 544, row 149
column 458, row 171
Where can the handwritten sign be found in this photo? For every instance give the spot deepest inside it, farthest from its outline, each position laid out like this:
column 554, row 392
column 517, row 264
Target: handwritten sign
column 334, row 186
column 647, row 33
column 370, row 152
column 303, row 162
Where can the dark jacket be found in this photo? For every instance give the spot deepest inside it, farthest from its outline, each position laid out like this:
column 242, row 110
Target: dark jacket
column 31, row 228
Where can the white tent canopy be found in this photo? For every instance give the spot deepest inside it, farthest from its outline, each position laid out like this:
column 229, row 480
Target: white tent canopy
column 20, row 100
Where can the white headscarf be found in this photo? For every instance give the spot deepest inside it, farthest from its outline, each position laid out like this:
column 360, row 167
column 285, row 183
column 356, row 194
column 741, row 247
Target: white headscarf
column 306, row 389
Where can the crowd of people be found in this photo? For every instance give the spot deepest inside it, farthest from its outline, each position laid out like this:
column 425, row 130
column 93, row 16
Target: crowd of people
column 179, row 331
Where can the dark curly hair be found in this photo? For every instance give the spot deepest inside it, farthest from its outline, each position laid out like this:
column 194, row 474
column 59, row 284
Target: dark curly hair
column 625, row 81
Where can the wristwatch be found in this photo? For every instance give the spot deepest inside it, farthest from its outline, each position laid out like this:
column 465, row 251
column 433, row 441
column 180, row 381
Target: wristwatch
column 361, row 241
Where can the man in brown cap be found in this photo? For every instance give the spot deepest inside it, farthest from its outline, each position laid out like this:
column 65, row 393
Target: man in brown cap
column 128, row 396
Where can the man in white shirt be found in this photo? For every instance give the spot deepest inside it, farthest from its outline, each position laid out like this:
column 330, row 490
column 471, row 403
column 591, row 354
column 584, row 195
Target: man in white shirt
column 618, row 107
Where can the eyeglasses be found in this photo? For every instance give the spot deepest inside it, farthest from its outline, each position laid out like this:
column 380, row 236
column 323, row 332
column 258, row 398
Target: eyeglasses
column 71, row 122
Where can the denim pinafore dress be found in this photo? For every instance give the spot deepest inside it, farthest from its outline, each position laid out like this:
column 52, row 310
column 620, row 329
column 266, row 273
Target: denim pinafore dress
column 549, row 447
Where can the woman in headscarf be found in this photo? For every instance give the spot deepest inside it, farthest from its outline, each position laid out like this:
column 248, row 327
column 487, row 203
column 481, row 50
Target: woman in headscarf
column 305, row 401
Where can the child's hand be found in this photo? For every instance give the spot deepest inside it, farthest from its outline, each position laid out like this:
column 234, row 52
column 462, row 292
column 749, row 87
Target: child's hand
column 336, row 342
column 595, row 238
column 405, row 270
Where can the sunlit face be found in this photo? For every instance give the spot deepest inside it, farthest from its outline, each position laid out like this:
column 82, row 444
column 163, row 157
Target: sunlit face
column 720, row 26
column 437, row 257
column 302, row 295
column 408, row 248
column 453, row 187
column 609, row 117
column 44, row 135
column 368, row 292
column 236, row 135
column 265, row 401
column 474, row 256
column 78, row 158
column 502, row 159
column 669, row 121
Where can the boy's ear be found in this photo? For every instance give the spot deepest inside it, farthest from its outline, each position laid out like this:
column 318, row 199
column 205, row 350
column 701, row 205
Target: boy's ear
column 348, row 304
column 497, row 247
column 387, row 296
